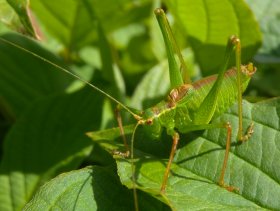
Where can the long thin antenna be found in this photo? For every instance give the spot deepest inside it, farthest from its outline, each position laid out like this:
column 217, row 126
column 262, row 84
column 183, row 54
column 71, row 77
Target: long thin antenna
column 72, row 74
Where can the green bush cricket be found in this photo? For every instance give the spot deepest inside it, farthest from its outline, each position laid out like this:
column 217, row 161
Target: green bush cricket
column 191, row 107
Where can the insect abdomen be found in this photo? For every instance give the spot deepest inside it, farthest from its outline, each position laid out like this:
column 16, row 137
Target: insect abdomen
column 228, row 93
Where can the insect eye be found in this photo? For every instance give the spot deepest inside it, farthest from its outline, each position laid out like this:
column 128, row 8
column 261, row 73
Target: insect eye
column 149, row 121
column 173, row 94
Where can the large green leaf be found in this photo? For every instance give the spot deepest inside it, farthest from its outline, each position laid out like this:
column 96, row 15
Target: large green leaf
column 208, row 24
column 253, row 166
column 72, row 187
column 91, row 188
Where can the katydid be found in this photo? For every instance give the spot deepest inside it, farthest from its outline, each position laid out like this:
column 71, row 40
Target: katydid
column 191, row 106
column 188, row 106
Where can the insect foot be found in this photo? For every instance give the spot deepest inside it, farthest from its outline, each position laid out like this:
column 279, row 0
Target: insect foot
column 248, row 133
column 229, row 188
column 121, row 154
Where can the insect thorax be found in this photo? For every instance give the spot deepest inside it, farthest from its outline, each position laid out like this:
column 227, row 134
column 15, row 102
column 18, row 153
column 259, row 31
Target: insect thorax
column 164, row 114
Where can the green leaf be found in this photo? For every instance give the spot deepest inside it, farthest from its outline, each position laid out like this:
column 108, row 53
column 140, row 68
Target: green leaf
column 74, row 186
column 208, row 24
column 48, row 139
column 91, row 188
column 110, row 134
column 253, row 166
column 74, row 191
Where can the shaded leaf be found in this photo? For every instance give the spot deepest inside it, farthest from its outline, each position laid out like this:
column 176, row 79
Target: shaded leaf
column 24, row 78
column 48, row 139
